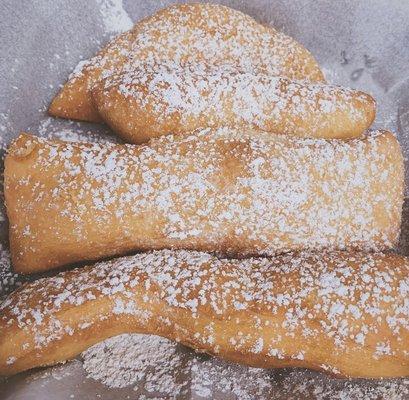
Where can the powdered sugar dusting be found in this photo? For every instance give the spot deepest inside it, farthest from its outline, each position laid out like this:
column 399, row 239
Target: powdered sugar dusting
column 72, row 131
column 162, row 368
column 114, row 16
column 151, row 362
column 171, row 97
column 192, row 33
column 213, row 376
column 122, row 185
column 9, row 280
column 311, row 382
column 132, row 287
column 210, row 378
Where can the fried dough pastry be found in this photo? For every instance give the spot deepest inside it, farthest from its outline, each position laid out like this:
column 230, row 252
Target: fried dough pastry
column 169, row 99
column 187, row 33
column 224, row 191
column 342, row 313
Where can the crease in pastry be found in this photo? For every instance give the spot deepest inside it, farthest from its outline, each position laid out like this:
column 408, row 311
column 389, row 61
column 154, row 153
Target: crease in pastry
column 190, row 33
column 341, row 313
column 231, row 192
column 162, row 99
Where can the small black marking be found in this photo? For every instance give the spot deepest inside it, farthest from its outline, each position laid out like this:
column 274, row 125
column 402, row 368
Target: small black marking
column 369, row 62
column 345, row 60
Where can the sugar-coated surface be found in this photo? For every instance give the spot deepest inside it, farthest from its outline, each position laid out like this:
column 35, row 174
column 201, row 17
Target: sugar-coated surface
column 222, row 190
column 226, row 95
column 354, row 300
column 187, row 33
column 289, row 16
column 209, row 32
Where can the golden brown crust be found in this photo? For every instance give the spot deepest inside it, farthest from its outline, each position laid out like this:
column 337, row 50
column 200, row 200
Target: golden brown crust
column 163, row 99
column 338, row 312
column 182, row 33
column 73, row 101
column 221, row 191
